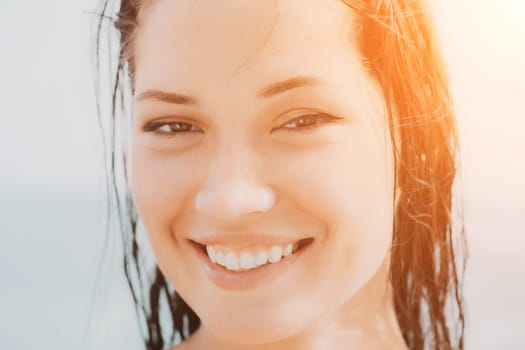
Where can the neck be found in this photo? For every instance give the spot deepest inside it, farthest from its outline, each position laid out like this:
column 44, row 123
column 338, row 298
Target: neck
column 366, row 321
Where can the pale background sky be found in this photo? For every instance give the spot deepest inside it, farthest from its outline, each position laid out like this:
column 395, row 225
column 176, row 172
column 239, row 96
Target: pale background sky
column 51, row 177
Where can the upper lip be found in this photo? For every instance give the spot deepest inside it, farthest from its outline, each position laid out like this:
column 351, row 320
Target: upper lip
column 246, row 240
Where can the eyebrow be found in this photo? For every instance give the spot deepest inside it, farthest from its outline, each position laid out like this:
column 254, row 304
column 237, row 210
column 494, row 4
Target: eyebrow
column 288, row 84
column 164, row 96
column 267, row 92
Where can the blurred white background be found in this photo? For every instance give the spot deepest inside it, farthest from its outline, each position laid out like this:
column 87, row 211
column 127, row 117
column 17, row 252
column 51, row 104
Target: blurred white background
column 52, row 212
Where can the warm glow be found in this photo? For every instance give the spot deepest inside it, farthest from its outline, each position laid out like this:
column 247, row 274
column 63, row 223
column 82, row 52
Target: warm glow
column 484, row 45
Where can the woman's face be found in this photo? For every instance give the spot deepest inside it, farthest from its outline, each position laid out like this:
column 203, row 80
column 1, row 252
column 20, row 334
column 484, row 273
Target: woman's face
column 256, row 127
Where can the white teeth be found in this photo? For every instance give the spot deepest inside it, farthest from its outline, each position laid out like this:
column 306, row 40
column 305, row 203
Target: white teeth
column 261, row 258
column 211, row 253
column 232, row 263
column 276, row 253
column 247, row 261
column 288, row 249
column 220, row 259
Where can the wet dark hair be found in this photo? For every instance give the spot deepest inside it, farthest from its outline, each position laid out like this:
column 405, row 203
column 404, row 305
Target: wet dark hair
column 401, row 53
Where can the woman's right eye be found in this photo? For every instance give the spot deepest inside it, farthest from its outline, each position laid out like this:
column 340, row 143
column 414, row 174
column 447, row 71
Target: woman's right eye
column 170, row 128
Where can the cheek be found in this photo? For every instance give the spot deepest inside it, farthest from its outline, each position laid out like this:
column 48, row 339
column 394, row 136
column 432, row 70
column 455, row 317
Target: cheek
column 347, row 186
column 160, row 185
column 350, row 181
column 159, row 182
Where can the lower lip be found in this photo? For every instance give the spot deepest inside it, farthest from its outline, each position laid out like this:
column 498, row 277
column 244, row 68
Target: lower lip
column 242, row 280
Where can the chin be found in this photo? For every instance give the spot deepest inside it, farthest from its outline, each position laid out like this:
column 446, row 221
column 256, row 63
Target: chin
column 247, row 330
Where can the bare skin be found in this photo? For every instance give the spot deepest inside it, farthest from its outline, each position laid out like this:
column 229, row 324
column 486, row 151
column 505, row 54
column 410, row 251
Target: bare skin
column 359, row 325
column 243, row 160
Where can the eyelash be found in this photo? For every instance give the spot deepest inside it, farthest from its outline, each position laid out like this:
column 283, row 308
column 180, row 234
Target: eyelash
column 318, row 119
column 155, row 126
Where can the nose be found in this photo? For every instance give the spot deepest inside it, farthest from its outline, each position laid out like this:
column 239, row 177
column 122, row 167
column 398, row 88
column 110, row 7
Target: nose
column 233, row 189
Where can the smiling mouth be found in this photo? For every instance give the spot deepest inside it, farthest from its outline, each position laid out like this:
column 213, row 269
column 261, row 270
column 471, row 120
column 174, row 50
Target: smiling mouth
column 250, row 259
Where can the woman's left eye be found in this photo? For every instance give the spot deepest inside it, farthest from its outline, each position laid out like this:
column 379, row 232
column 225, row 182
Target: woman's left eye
column 307, row 121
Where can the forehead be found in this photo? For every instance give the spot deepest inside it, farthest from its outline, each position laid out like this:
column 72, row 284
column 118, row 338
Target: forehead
column 201, row 44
